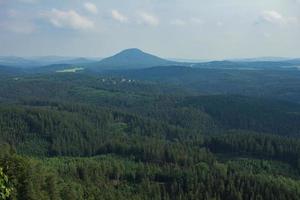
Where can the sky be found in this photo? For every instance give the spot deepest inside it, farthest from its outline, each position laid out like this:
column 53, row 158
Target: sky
column 191, row 29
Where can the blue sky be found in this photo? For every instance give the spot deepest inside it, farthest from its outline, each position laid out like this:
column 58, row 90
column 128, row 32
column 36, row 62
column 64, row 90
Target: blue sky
column 199, row 29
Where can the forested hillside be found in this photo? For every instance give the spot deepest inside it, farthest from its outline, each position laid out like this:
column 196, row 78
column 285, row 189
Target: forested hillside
column 83, row 136
column 149, row 100
column 217, row 78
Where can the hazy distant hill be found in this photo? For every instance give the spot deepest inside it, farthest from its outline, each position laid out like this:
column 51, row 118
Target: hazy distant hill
column 15, row 61
column 270, row 82
column 274, row 59
column 134, row 59
column 245, row 65
column 295, row 61
column 131, row 59
column 52, row 60
column 32, row 62
column 137, row 59
column 6, row 71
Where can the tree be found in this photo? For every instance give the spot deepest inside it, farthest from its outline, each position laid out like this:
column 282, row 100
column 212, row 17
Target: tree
column 5, row 190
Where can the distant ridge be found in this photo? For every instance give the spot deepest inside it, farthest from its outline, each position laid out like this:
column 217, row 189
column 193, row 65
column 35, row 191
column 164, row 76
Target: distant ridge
column 131, row 59
column 32, row 62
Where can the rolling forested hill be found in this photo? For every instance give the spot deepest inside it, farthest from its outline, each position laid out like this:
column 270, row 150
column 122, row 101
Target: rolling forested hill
column 123, row 128
column 141, row 136
column 269, row 82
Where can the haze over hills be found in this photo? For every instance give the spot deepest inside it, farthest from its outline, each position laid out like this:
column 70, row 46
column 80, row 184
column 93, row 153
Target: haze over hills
column 14, row 61
column 52, row 60
column 138, row 59
column 295, row 61
column 256, row 59
column 39, row 61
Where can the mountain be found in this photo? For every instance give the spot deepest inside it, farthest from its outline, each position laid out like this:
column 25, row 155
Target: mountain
column 77, row 61
column 295, row 61
column 14, row 61
column 33, row 62
column 52, row 60
column 261, row 59
column 254, row 65
column 131, row 59
column 186, row 60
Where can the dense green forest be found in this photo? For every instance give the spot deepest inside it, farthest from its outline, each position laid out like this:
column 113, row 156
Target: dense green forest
column 85, row 136
column 218, row 78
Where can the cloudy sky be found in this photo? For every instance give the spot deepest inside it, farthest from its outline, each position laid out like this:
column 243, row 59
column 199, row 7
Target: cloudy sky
column 199, row 29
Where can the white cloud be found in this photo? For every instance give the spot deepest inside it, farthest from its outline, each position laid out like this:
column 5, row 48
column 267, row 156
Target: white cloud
column 148, row 19
column 116, row 15
column 274, row 17
column 178, row 22
column 69, row 19
column 92, row 8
